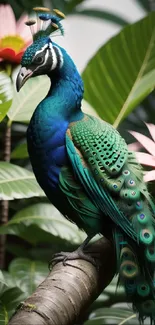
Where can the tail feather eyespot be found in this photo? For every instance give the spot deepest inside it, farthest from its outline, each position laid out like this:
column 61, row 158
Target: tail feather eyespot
column 142, row 218
column 146, row 236
column 148, row 307
column 150, row 253
column 129, row 269
column 143, row 289
column 126, row 253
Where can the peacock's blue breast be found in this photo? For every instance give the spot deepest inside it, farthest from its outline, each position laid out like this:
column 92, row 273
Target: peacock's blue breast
column 47, row 150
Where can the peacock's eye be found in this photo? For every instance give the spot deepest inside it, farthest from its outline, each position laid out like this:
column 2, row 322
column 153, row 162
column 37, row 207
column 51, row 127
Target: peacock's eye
column 39, row 60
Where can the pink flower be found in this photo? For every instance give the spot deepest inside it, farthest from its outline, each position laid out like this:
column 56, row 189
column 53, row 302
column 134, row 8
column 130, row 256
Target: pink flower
column 147, row 159
column 14, row 36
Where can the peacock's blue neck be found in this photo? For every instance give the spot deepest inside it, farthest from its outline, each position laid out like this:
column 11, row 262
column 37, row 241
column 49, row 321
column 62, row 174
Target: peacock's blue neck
column 46, row 133
column 66, row 92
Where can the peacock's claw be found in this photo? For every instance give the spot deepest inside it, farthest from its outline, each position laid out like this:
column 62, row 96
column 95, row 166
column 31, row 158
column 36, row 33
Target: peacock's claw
column 68, row 256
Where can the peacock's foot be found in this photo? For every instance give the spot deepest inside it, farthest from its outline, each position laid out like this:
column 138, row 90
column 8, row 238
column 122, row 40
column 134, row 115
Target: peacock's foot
column 68, row 256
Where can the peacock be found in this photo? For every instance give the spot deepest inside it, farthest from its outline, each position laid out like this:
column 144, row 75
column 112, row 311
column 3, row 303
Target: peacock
column 85, row 168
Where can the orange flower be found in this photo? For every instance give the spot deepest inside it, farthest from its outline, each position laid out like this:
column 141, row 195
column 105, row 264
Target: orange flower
column 14, row 36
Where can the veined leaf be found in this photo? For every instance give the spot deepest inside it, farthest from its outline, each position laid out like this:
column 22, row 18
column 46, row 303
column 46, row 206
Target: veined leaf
column 122, row 72
column 20, row 151
column 113, row 287
column 4, row 318
column 28, row 274
column 3, row 283
column 5, row 94
column 102, row 14
column 46, row 219
column 25, row 102
column 71, row 5
column 110, row 315
column 17, row 182
column 144, row 4
column 9, row 301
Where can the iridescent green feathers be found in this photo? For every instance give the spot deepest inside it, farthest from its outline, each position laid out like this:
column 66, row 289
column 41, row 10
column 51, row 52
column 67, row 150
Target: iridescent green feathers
column 113, row 180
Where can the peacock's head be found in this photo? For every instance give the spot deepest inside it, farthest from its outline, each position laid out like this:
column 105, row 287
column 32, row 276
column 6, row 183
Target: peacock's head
column 43, row 55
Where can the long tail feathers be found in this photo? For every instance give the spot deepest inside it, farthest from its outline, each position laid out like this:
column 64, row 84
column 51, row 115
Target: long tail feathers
column 136, row 273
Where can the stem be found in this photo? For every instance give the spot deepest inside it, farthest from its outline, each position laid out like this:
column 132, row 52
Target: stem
column 7, row 143
column 4, row 206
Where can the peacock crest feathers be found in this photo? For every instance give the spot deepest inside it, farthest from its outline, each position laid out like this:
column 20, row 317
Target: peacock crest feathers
column 47, row 22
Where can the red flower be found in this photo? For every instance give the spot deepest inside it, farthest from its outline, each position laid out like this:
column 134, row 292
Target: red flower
column 14, row 36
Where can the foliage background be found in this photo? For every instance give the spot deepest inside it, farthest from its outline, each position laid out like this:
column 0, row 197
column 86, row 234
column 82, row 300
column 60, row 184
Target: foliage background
column 34, row 229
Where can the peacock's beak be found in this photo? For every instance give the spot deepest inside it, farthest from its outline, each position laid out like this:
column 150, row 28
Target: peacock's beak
column 23, row 75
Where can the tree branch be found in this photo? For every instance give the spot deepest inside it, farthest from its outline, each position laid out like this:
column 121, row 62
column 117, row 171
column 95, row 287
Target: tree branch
column 68, row 290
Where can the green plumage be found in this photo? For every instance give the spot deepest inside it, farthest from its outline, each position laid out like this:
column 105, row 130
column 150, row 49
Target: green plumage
column 113, row 180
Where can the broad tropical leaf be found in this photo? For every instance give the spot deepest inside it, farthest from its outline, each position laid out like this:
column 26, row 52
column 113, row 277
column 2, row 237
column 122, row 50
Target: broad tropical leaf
column 4, row 318
column 144, row 4
column 122, row 72
column 9, row 301
column 48, row 223
column 70, row 6
column 28, row 274
column 110, row 315
column 5, row 94
column 104, row 15
column 113, row 287
column 25, row 102
column 8, row 281
column 20, row 151
column 17, row 182
column 3, row 283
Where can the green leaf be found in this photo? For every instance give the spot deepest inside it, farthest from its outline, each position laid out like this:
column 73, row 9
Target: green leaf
column 113, row 287
column 3, row 283
column 17, row 182
column 47, row 220
column 28, row 274
column 10, row 299
column 122, row 72
column 144, row 4
column 111, row 315
column 8, row 281
column 5, row 94
column 4, row 318
column 25, row 102
column 70, row 5
column 104, row 15
column 20, row 152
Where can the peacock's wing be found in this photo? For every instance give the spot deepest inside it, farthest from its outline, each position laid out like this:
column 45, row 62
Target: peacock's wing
column 109, row 173
column 113, row 180
column 80, row 210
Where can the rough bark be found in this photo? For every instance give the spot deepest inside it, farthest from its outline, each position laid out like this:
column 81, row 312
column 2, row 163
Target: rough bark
column 4, row 205
column 68, row 290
